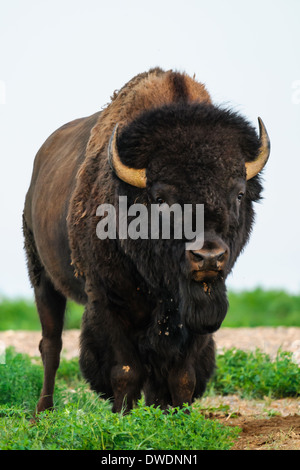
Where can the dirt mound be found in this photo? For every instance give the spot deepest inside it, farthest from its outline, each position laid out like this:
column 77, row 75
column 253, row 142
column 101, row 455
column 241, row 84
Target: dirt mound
column 275, row 433
column 266, row 424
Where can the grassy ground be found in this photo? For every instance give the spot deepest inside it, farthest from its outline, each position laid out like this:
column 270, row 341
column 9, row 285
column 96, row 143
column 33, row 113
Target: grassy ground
column 263, row 308
column 247, row 309
column 83, row 421
column 21, row 314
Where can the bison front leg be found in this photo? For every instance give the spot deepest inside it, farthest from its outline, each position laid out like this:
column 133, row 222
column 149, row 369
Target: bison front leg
column 108, row 359
column 156, row 390
column 126, row 384
column 182, row 383
column 188, row 380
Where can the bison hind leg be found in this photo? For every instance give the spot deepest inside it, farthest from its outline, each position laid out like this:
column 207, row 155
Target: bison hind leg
column 51, row 306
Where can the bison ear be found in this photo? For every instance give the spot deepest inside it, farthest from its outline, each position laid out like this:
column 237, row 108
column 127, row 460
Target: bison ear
column 254, row 167
column 132, row 176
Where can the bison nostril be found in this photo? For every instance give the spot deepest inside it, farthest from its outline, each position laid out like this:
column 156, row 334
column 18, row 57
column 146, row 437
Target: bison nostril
column 221, row 257
column 197, row 255
column 209, row 259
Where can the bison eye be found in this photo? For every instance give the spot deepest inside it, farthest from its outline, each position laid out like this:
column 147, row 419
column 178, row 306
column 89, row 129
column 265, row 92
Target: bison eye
column 160, row 200
column 240, row 197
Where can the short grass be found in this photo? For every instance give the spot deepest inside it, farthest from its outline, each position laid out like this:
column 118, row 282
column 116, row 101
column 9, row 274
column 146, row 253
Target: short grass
column 246, row 309
column 21, row 314
column 263, row 308
column 255, row 375
column 83, row 421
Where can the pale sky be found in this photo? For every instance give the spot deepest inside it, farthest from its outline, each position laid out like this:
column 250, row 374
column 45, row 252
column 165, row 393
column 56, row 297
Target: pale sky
column 63, row 59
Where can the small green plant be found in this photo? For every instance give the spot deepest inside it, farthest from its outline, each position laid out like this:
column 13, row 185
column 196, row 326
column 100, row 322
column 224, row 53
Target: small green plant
column 255, row 375
column 20, row 381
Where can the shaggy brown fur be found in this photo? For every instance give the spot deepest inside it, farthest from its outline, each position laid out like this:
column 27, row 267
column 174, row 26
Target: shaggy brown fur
column 145, row 91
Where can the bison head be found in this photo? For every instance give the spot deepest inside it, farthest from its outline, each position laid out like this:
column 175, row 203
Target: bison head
column 191, row 154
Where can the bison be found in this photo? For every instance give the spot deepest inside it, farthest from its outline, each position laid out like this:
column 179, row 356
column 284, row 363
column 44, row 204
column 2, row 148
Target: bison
column 151, row 305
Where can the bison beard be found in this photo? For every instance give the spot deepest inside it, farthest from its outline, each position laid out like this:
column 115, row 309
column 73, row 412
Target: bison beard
column 170, row 354
column 170, row 359
column 150, row 306
column 203, row 308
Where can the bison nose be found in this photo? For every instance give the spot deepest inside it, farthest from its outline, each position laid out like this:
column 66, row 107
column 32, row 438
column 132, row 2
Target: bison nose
column 209, row 259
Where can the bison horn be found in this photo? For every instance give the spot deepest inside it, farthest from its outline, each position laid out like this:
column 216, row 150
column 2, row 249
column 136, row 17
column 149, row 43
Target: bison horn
column 133, row 176
column 253, row 168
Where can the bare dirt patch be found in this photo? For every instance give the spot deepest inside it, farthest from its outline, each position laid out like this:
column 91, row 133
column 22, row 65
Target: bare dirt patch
column 266, row 424
column 276, row 433
column 267, row 339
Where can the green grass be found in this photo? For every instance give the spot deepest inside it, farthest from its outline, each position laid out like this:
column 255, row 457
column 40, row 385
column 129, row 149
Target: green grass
column 263, row 308
column 92, row 426
column 21, row 314
column 247, row 309
column 255, row 375
column 83, row 421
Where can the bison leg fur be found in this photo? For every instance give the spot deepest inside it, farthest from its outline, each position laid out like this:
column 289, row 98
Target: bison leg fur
column 109, row 362
column 51, row 307
column 182, row 384
column 126, row 385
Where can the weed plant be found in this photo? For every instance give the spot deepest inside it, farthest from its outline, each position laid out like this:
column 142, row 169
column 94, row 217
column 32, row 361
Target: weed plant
column 255, row 375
